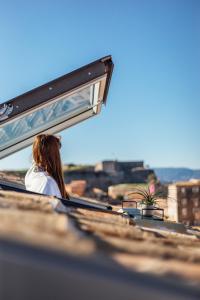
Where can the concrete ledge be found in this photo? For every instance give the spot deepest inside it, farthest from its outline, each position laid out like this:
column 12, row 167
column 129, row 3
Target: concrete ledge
column 161, row 225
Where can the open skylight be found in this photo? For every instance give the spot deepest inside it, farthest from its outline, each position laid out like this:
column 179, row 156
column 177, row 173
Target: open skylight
column 54, row 106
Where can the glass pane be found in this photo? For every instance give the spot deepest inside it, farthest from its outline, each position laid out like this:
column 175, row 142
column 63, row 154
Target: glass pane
column 46, row 117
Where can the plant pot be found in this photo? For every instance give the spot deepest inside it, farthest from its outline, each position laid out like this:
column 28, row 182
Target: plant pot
column 148, row 210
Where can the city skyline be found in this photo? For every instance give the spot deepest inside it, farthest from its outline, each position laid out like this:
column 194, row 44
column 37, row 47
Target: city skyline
column 152, row 112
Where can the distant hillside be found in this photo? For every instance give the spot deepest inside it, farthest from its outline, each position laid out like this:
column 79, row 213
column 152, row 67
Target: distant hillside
column 176, row 174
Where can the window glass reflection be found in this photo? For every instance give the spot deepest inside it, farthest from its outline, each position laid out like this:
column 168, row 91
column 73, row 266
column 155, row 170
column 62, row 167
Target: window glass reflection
column 45, row 117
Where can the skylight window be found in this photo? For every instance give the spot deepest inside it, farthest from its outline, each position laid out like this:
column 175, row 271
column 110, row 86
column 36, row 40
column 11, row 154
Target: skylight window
column 54, row 106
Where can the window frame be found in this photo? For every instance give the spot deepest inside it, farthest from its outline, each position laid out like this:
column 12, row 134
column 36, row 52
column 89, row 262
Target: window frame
column 97, row 71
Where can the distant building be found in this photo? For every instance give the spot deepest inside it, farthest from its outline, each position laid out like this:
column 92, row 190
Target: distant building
column 126, row 171
column 184, row 202
column 114, row 166
column 108, row 166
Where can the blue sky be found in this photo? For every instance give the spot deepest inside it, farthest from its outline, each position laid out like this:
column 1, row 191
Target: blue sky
column 153, row 108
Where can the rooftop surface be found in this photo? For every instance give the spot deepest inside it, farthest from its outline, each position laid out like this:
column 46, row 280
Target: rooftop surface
column 109, row 239
column 194, row 182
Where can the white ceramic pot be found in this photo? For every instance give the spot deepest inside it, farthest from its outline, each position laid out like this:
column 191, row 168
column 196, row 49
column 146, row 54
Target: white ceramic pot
column 148, row 212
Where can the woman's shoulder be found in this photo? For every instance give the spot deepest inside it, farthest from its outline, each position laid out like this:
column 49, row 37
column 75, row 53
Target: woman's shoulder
column 49, row 179
column 52, row 186
column 37, row 177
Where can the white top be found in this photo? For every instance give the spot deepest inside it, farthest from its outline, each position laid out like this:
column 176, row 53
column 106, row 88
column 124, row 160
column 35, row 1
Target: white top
column 39, row 181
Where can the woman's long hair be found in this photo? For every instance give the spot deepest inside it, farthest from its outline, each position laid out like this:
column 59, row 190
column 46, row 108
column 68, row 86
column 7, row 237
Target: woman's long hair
column 46, row 154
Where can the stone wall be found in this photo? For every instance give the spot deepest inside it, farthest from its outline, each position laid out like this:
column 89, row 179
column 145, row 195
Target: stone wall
column 114, row 166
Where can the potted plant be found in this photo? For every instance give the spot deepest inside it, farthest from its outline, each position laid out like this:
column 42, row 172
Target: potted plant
column 148, row 199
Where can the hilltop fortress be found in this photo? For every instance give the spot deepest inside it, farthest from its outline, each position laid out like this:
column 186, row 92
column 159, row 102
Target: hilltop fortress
column 109, row 172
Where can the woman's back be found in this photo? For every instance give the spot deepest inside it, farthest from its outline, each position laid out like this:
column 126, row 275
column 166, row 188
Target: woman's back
column 37, row 180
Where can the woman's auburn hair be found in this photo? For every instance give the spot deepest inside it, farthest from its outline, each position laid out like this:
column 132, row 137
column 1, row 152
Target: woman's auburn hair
column 46, row 154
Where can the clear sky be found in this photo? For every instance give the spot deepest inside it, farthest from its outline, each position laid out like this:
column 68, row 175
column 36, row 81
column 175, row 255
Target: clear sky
column 153, row 108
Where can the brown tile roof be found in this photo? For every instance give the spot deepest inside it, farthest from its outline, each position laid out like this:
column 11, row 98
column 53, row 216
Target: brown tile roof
column 82, row 232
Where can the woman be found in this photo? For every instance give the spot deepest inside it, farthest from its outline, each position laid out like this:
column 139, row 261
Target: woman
column 45, row 175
